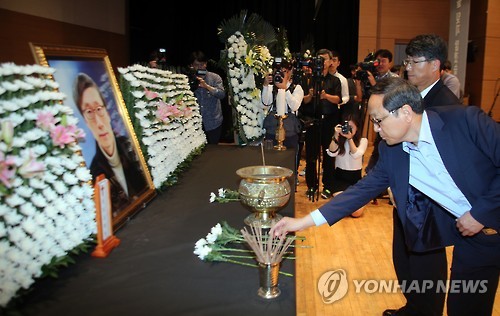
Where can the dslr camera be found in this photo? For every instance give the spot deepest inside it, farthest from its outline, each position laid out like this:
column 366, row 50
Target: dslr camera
column 193, row 75
column 370, row 64
column 279, row 64
column 346, row 128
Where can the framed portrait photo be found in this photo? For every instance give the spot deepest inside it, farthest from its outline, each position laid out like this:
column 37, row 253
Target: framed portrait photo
column 110, row 148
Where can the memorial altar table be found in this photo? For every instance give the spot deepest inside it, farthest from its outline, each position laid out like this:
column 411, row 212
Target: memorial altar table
column 154, row 271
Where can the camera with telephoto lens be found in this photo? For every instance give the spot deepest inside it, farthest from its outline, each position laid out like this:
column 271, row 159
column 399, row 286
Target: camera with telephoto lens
column 279, row 65
column 346, row 128
column 370, row 64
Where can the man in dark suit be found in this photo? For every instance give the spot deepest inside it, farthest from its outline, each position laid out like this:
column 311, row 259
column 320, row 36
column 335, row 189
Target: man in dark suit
column 442, row 165
column 426, row 55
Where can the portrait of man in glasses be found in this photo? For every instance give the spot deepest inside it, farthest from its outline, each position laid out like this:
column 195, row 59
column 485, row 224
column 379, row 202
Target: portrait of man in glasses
column 114, row 155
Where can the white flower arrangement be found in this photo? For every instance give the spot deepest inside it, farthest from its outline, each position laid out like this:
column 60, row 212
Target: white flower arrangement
column 215, row 247
column 46, row 199
column 165, row 116
column 244, row 62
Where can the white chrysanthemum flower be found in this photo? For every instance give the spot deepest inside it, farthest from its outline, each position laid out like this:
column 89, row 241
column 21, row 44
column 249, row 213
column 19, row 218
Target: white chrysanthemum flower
column 14, row 200
column 222, row 192
column 216, row 230
column 83, row 174
column 16, row 234
column 29, row 225
column 28, row 209
column 36, row 183
column 211, row 238
column 3, row 233
column 70, row 179
column 212, row 197
column 24, row 191
column 38, row 200
column 60, row 187
column 49, row 194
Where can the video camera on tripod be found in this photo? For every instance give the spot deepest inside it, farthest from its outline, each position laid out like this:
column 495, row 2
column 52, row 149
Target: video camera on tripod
column 316, row 64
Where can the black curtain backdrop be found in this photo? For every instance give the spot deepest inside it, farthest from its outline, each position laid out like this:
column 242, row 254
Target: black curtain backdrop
column 189, row 25
column 192, row 25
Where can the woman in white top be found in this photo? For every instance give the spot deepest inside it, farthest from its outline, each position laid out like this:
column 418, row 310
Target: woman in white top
column 280, row 95
column 348, row 147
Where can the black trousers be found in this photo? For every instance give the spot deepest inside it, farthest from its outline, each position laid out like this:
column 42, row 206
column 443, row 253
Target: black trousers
column 476, row 262
column 318, row 137
column 213, row 135
column 473, row 283
column 411, row 266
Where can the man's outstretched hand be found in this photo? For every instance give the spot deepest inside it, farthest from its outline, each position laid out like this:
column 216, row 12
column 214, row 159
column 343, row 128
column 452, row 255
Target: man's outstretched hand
column 289, row 224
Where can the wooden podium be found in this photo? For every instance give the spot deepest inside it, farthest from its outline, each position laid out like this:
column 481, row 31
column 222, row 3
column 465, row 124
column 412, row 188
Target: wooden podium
column 106, row 241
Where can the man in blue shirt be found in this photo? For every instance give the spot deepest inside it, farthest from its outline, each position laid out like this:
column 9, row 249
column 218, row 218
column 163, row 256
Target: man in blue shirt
column 443, row 167
column 209, row 91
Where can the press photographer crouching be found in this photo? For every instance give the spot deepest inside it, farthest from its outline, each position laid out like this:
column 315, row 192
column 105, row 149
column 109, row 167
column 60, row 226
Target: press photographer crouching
column 282, row 97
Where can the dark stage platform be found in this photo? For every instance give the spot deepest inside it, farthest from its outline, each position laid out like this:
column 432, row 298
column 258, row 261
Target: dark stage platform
column 154, row 271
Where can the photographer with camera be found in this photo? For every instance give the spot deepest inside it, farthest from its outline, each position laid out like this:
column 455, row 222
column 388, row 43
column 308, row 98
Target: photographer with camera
column 355, row 94
column 322, row 102
column 209, row 90
column 348, row 148
column 383, row 66
column 157, row 58
column 282, row 97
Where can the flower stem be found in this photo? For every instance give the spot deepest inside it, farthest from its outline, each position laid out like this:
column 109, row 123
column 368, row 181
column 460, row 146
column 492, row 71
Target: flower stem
column 234, row 249
column 236, row 256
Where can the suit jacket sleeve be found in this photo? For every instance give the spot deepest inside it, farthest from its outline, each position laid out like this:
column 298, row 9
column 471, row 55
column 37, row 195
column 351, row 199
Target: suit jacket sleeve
column 485, row 133
column 469, row 144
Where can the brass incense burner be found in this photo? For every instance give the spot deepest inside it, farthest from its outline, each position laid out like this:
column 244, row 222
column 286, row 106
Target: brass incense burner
column 265, row 189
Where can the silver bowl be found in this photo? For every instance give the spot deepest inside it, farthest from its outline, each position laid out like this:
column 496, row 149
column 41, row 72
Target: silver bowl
column 265, row 189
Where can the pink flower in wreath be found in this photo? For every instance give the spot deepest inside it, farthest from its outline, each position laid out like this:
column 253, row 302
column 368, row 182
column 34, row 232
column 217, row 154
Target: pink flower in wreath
column 31, row 167
column 7, row 169
column 150, row 95
column 188, row 112
column 78, row 133
column 45, row 120
column 165, row 111
column 62, row 135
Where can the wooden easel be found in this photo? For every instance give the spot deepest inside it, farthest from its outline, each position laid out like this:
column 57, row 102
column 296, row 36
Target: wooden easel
column 106, row 241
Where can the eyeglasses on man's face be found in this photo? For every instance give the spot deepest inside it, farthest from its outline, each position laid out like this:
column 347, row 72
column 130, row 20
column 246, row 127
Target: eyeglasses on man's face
column 411, row 62
column 378, row 122
column 91, row 113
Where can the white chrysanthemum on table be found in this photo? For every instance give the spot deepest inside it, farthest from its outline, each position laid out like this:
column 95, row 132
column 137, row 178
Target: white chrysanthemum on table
column 38, row 158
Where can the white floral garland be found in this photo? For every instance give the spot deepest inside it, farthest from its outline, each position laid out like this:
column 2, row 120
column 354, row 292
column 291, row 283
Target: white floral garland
column 168, row 143
column 244, row 63
column 46, row 200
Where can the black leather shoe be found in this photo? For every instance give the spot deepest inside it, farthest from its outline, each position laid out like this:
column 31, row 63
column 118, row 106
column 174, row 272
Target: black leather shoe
column 396, row 312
